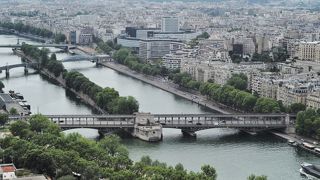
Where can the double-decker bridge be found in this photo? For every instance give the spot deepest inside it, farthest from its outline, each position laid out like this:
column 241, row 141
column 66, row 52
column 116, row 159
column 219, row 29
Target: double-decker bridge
column 188, row 123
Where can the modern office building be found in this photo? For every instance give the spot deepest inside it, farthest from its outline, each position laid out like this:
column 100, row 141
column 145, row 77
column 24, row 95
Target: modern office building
column 154, row 48
column 170, row 24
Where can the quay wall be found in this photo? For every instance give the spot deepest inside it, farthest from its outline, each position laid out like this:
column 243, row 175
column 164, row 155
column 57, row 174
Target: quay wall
column 85, row 98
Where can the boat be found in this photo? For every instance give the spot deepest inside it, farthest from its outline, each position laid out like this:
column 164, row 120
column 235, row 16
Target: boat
column 310, row 148
column 311, row 169
column 292, row 143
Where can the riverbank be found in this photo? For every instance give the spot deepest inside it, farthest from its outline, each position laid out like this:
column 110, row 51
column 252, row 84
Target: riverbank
column 294, row 137
column 25, row 35
column 169, row 87
column 85, row 98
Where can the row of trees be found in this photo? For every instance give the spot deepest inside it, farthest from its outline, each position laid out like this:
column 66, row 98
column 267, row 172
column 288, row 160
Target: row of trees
column 38, row 145
column 308, row 123
column 106, row 47
column 185, row 80
column 42, row 57
column 106, row 98
column 234, row 93
column 22, row 28
column 124, row 56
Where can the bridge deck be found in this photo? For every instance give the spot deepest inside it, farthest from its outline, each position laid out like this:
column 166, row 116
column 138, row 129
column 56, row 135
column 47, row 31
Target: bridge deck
column 180, row 121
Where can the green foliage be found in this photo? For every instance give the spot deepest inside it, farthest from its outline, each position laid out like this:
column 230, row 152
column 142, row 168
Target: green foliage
column 308, row 123
column 13, row 111
column 1, row 86
column 20, row 27
column 264, row 57
column 185, row 80
column 124, row 56
column 280, row 54
column 41, row 56
column 107, row 98
column 194, row 42
column 296, row 107
column 59, row 37
column 204, row 35
column 267, row 105
column 58, row 155
column 3, row 118
column 254, row 177
column 239, row 81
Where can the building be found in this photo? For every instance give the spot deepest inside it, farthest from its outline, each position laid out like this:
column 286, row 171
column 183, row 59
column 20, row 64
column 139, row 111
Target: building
column 85, row 39
column 154, row 48
column 309, row 51
column 313, row 100
column 7, row 171
column 170, row 24
column 73, row 37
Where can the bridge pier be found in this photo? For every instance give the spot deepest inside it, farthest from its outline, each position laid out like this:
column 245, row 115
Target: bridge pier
column 26, row 71
column 188, row 133
column 7, row 73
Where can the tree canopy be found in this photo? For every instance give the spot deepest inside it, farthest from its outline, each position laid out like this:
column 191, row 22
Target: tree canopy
column 38, row 145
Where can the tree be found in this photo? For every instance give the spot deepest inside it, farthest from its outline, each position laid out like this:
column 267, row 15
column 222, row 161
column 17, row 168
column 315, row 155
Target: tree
column 209, row 172
column 3, row 119
column 239, row 81
column 13, row 111
column 267, row 105
column 20, row 128
column 297, row 107
column 1, row 86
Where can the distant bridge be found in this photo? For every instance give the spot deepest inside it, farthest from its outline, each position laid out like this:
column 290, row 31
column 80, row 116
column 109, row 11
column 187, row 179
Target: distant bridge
column 67, row 46
column 95, row 58
column 25, row 65
column 185, row 122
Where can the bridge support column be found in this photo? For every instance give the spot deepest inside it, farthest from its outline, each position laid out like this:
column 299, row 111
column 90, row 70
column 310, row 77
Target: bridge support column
column 188, row 133
column 7, row 73
column 97, row 62
column 26, row 70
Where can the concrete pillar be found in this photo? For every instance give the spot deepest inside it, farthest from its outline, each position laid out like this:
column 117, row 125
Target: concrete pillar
column 188, row 133
column 26, row 69
column 7, row 72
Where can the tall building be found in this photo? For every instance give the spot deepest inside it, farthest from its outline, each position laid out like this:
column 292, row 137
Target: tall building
column 170, row 24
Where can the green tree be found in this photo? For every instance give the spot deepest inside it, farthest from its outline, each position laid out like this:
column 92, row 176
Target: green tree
column 296, row 107
column 13, row 111
column 239, row 81
column 1, row 86
column 3, row 119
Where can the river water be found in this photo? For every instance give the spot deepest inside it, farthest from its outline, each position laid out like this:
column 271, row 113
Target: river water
column 234, row 155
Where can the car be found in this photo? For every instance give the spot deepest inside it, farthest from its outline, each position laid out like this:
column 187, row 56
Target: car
column 190, row 121
column 198, row 123
column 223, row 121
column 216, row 124
column 163, row 123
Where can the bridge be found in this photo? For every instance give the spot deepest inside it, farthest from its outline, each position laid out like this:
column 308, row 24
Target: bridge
column 76, row 58
column 188, row 123
column 25, row 65
column 66, row 46
column 93, row 58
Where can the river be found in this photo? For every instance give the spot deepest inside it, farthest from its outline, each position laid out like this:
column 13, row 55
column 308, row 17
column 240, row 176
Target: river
column 234, row 155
